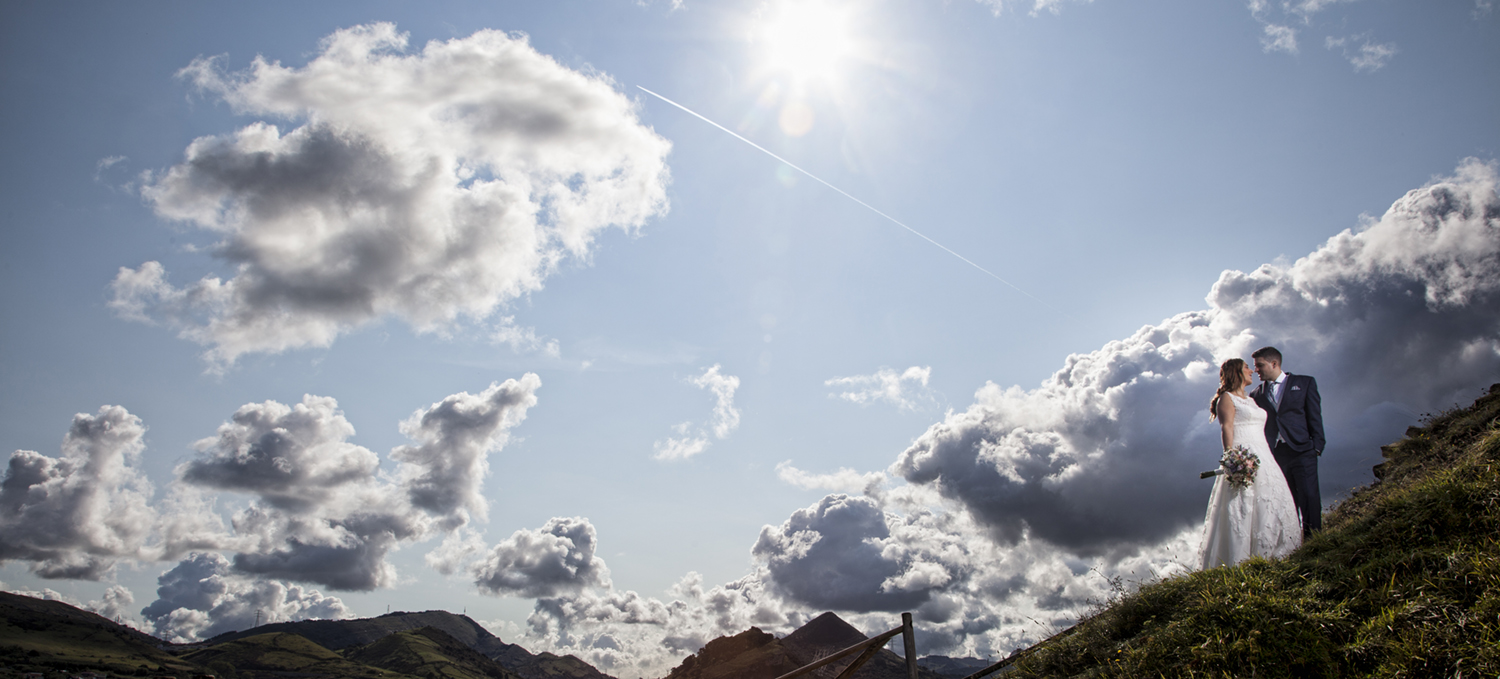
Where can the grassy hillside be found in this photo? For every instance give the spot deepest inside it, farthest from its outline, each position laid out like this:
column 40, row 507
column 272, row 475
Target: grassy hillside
column 342, row 634
column 1404, row 581
column 271, row 655
column 39, row 635
column 429, row 653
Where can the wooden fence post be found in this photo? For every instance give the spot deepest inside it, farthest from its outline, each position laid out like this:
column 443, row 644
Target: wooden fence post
column 909, row 636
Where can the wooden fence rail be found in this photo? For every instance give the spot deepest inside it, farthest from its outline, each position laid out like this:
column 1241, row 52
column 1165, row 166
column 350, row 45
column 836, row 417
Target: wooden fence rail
column 870, row 648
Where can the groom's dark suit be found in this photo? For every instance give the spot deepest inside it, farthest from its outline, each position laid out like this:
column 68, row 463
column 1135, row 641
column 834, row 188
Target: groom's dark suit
column 1294, row 430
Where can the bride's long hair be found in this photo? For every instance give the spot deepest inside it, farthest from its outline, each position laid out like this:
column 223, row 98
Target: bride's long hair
column 1231, row 378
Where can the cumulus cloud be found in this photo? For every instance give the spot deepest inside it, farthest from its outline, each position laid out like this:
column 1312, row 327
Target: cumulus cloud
column 202, row 597
column 1093, row 460
column 432, row 186
column 554, row 559
column 692, row 440
column 320, row 509
column 75, row 515
column 291, row 457
column 829, row 556
column 322, row 513
column 906, row 389
column 117, row 604
column 579, row 612
column 444, row 471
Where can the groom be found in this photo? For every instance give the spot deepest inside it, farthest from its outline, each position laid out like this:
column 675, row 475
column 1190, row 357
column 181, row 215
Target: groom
column 1294, row 429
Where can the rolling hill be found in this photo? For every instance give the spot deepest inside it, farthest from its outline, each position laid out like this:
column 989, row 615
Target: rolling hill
column 340, row 634
column 275, row 654
column 38, row 635
column 430, row 653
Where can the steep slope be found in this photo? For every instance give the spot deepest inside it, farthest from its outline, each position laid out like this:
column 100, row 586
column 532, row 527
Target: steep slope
column 430, row 653
column 1404, row 580
column 37, row 634
column 753, row 654
column 279, row 654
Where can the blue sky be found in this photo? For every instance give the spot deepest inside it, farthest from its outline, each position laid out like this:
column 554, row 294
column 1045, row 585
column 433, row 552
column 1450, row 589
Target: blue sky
column 975, row 451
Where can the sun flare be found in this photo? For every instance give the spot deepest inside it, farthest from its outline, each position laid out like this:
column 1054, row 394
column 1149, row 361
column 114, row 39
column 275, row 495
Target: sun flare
column 807, row 39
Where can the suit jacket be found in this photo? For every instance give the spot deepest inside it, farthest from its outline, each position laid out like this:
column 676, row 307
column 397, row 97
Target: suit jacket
column 1299, row 418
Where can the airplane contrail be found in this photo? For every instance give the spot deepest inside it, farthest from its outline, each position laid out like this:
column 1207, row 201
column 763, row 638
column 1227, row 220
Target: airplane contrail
column 872, row 208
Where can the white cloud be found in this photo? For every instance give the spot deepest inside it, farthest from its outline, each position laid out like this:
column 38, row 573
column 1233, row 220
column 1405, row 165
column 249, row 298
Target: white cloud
column 320, row 508
column 680, row 447
column 321, row 511
column 444, row 472
column 692, row 440
column 1278, row 38
column 202, row 597
column 1368, row 56
column 844, row 480
column 579, row 612
column 906, row 389
column 76, row 515
column 553, row 560
column 726, row 417
column 432, row 186
column 1278, row 35
column 116, row 604
column 291, row 457
column 520, row 339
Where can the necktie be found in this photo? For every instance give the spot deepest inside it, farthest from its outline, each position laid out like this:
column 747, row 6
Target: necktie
column 1276, row 393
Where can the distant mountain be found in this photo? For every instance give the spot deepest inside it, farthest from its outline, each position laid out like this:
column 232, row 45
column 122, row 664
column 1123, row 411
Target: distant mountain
column 38, row 635
column 341, row 634
column 754, row 654
column 430, row 653
column 954, row 668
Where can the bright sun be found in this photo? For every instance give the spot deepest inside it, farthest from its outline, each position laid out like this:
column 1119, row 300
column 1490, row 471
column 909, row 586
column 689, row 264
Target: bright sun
column 805, row 39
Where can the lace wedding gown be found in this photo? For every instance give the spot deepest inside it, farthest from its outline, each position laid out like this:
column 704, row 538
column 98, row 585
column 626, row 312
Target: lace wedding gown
column 1259, row 519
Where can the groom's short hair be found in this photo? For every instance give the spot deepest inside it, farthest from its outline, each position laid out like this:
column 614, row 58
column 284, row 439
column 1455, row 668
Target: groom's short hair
column 1268, row 353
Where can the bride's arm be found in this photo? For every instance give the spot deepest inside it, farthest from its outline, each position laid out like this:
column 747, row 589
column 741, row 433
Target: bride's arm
column 1226, row 422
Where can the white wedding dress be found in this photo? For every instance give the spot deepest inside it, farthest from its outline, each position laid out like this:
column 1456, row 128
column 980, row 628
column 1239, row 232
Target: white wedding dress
column 1259, row 519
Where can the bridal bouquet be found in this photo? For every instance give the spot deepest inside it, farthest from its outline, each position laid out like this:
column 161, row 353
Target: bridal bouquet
column 1240, row 466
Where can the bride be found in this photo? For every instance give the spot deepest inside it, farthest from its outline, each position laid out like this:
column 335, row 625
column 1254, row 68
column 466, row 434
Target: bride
column 1260, row 518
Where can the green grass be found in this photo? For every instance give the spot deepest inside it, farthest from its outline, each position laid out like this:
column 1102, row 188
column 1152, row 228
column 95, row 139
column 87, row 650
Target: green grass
column 1404, row 581
column 37, row 635
column 267, row 655
column 428, row 653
